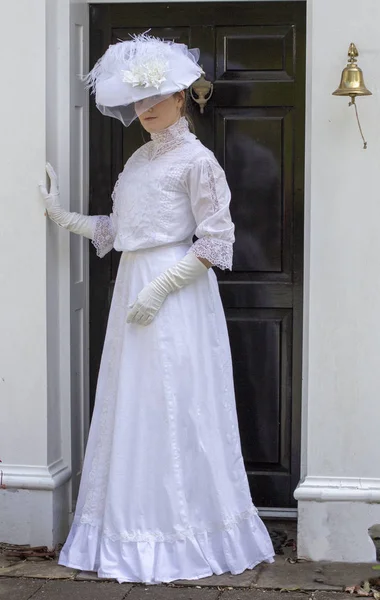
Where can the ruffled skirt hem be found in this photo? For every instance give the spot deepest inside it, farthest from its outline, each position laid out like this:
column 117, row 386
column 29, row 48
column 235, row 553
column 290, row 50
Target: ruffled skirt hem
column 240, row 547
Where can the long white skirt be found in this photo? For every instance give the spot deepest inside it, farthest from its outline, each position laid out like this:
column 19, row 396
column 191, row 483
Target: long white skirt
column 164, row 493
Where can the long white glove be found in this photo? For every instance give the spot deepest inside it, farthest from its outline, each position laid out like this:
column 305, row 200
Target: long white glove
column 152, row 296
column 75, row 222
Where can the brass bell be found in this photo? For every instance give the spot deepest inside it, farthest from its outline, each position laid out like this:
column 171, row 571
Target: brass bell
column 352, row 84
column 352, row 81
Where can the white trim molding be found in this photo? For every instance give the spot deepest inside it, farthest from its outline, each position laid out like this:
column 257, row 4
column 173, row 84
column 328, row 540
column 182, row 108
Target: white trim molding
column 32, row 477
column 277, row 513
column 338, row 489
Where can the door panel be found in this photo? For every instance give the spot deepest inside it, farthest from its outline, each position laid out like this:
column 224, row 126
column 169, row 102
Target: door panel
column 253, row 145
column 260, row 53
column 255, row 55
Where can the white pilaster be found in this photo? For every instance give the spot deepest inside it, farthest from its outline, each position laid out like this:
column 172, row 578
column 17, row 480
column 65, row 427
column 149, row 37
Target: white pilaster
column 34, row 505
column 339, row 497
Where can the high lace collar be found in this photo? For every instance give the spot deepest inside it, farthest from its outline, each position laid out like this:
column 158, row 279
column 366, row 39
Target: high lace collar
column 171, row 136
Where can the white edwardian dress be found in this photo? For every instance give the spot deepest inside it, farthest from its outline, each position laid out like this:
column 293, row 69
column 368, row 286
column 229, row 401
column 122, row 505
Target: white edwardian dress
column 164, row 493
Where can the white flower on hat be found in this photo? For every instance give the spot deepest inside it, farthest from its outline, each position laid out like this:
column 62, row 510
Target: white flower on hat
column 147, row 74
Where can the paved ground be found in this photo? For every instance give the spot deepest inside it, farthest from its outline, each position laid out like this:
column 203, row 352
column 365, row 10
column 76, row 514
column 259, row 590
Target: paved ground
column 38, row 589
column 30, row 580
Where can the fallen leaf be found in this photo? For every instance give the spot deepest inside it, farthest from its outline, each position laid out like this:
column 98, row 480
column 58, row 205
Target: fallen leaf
column 363, row 593
column 351, row 589
column 294, row 561
column 367, row 587
column 376, row 567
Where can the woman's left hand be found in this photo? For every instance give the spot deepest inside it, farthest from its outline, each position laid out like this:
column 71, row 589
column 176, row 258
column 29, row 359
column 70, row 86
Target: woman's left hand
column 147, row 304
column 151, row 297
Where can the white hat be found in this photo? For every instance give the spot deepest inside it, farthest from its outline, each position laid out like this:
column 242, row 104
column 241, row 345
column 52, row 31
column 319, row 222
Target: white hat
column 143, row 68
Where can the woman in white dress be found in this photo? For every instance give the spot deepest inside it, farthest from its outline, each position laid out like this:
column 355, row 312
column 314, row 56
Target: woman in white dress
column 164, row 493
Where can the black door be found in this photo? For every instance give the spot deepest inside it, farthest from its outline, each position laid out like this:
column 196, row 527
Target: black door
column 254, row 53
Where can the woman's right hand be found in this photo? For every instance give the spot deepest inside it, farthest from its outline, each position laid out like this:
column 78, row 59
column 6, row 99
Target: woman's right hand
column 75, row 222
column 51, row 198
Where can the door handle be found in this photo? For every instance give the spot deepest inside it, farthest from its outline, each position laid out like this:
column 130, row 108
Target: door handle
column 201, row 91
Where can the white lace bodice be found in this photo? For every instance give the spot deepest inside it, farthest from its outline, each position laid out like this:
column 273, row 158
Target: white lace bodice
column 170, row 189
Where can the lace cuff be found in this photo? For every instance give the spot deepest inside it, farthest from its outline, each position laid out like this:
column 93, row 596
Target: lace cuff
column 104, row 235
column 218, row 252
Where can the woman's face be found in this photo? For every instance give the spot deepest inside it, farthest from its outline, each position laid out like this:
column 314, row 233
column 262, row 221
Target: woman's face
column 161, row 115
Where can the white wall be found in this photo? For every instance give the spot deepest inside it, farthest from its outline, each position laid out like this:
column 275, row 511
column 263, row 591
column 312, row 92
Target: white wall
column 342, row 328
column 30, row 411
column 23, row 237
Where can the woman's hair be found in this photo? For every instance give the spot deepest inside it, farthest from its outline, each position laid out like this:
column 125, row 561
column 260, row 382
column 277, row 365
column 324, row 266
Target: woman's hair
column 186, row 109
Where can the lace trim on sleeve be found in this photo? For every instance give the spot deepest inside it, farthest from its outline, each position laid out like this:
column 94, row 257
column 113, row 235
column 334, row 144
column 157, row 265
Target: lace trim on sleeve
column 104, row 235
column 212, row 187
column 218, row 252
